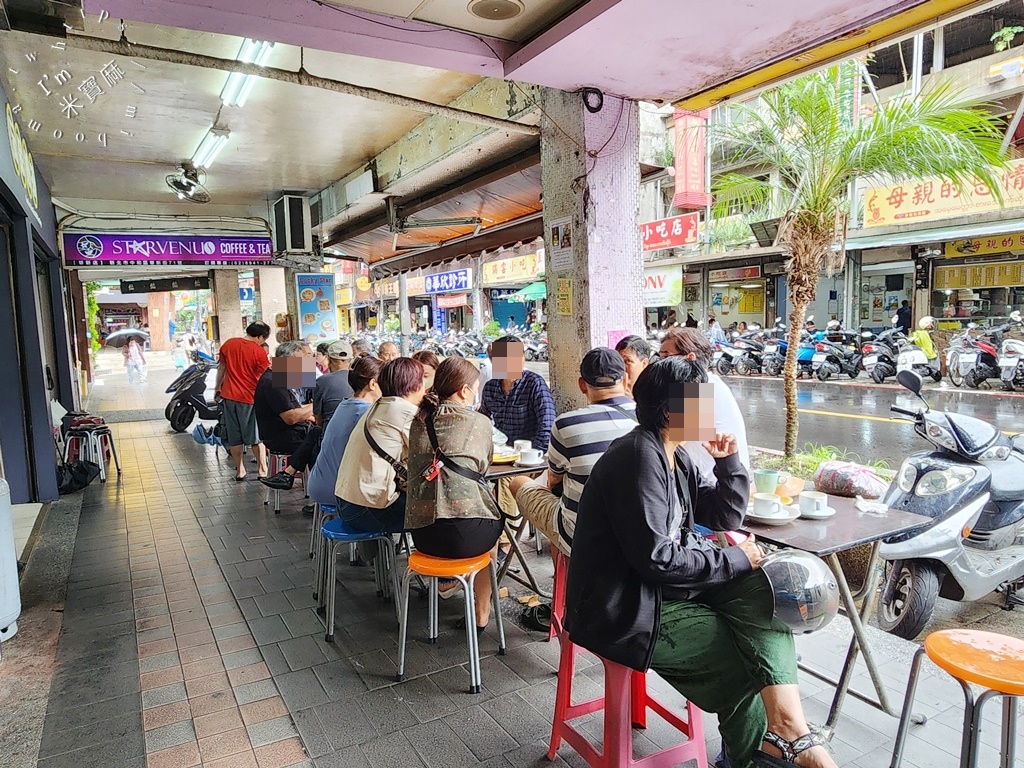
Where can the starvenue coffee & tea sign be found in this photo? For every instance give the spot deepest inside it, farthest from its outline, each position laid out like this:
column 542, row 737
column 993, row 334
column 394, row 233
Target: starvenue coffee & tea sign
column 129, row 250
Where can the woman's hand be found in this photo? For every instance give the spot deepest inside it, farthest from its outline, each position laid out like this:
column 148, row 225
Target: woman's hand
column 752, row 551
column 723, row 445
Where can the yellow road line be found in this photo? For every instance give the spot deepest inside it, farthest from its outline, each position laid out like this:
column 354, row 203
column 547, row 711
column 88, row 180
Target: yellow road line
column 848, row 415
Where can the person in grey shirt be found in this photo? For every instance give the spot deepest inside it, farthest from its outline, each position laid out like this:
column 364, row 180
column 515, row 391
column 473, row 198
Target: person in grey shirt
column 333, row 386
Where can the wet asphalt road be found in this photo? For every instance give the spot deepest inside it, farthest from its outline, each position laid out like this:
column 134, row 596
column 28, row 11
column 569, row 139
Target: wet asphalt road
column 855, row 416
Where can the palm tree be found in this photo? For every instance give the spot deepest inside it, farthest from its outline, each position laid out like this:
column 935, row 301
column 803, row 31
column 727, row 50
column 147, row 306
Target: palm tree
column 807, row 133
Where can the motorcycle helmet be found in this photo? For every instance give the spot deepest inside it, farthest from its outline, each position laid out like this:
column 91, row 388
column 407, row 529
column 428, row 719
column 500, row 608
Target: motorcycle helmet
column 926, row 323
column 806, row 592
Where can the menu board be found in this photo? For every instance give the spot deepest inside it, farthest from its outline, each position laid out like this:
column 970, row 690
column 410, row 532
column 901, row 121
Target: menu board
column 1005, row 275
column 318, row 307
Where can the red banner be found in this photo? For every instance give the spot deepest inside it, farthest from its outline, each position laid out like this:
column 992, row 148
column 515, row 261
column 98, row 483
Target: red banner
column 451, row 301
column 690, row 160
column 669, row 233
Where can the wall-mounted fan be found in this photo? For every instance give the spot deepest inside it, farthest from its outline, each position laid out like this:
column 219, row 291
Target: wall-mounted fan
column 187, row 184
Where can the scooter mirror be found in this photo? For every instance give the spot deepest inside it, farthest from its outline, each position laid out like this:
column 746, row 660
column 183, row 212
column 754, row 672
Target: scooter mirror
column 778, row 319
column 810, row 318
column 1015, row 316
column 910, row 380
column 866, row 335
column 972, row 326
column 895, row 319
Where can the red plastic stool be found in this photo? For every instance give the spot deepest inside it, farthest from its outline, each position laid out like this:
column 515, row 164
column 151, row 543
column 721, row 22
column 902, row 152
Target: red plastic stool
column 625, row 704
column 558, row 595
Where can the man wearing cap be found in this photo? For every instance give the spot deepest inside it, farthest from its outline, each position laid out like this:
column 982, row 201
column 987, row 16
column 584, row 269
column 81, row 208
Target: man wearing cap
column 578, row 439
column 333, row 386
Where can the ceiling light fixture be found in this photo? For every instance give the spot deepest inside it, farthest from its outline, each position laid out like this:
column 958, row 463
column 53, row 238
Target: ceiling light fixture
column 752, row 285
column 496, row 10
column 719, row 285
column 239, row 86
column 210, row 147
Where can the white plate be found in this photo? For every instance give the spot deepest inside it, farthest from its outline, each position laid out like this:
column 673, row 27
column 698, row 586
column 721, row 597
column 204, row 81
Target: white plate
column 524, row 465
column 829, row 512
column 791, row 514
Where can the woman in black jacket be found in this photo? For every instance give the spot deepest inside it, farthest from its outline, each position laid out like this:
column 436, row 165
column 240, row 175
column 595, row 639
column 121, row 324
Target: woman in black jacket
column 646, row 591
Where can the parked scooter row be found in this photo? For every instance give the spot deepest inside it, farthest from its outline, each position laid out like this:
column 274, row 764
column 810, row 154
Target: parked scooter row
column 972, row 360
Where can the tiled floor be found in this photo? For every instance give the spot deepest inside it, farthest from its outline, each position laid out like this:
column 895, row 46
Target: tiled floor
column 190, row 637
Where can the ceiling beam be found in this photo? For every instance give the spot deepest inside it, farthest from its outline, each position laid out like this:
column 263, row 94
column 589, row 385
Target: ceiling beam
column 326, row 27
column 413, row 205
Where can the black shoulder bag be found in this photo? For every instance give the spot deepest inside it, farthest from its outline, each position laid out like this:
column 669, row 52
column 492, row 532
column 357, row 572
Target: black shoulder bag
column 401, row 473
column 441, row 461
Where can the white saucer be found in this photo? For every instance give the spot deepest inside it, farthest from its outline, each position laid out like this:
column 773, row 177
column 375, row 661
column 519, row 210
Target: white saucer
column 829, row 512
column 792, row 514
column 524, row 465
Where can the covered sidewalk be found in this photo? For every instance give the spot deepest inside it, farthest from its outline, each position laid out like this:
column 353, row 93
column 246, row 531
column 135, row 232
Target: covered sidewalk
column 168, row 621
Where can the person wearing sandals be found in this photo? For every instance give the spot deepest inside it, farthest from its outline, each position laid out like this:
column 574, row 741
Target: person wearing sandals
column 450, row 510
column 646, row 591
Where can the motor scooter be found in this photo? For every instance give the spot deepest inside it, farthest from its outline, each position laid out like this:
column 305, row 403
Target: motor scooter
column 188, row 394
column 971, row 487
column 881, row 354
column 912, row 357
column 1011, row 359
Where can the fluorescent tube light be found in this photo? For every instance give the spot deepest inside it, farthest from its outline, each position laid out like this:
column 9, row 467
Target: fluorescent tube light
column 239, row 86
column 210, row 147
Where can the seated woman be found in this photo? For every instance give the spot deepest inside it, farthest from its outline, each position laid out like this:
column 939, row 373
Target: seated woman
column 372, row 476
column 451, row 513
column 645, row 591
column 362, row 377
column 429, row 361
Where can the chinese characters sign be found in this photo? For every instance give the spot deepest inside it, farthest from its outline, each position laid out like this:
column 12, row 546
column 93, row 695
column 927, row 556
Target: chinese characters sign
column 318, row 308
column 521, row 269
column 1007, row 275
column 981, row 246
column 690, row 160
column 563, row 296
column 109, row 250
column 930, row 199
column 737, row 273
column 669, row 233
column 452, row 301
column 443, row 282
column 174, row 284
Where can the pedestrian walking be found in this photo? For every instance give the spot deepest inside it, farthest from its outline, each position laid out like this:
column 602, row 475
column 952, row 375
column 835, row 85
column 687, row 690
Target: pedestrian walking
column 134, row 361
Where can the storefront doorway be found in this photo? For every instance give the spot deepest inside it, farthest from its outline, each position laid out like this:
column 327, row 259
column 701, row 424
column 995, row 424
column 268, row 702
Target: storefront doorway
column 737, row 296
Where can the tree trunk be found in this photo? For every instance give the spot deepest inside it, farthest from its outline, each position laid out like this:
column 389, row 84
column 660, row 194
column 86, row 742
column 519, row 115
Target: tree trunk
column 796, row 327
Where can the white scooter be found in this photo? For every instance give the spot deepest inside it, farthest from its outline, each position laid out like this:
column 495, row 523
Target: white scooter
column 913, row 358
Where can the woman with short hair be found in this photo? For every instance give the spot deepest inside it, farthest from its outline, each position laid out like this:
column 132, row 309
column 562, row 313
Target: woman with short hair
column 372, row 478
column 452, row 513
column 646, row 590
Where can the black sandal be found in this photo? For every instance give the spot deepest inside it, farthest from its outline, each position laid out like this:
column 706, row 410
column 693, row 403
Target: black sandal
column 789, row 750
column 537, row 617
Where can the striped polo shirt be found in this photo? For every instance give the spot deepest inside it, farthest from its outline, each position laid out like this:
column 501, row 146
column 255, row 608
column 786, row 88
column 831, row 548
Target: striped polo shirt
column 578, row 439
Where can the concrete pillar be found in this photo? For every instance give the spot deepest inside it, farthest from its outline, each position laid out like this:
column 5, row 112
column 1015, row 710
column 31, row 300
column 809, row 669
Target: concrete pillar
column 228, row 305
column 403, row 313
column 590, row 175
column 477, row 296
column 272, row 297
column 161, row 310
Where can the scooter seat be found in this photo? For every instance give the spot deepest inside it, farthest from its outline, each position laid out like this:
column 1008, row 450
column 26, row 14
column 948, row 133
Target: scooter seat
column 1007, row 478
column 1018, row 443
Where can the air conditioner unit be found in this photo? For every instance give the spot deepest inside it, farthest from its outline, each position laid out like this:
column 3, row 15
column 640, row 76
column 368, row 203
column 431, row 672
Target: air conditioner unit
column 292, row 227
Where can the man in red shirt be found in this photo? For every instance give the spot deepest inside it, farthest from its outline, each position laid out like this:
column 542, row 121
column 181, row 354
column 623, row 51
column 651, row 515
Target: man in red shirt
column 241, row 363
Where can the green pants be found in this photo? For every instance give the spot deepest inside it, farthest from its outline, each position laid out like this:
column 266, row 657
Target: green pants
column 720, row 650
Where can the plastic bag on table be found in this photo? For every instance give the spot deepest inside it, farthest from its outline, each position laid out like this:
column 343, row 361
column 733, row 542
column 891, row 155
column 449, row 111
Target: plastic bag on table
column 844, row 478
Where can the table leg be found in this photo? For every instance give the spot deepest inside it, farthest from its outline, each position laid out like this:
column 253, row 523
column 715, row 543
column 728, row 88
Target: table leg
column 859, row 642
column 514, row 533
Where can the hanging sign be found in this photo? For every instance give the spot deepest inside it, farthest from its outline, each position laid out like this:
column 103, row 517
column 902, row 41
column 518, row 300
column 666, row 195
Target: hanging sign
column 519, row 269
column 560, row 244
column 125, row 250
column 690, row 160
column 663, row 286
column 443, row 282
column 673, row 232
column 452, row 301
column 563, row 296
column 318, row 307
column 737, row 273
column 980, row 246
column 171, row 284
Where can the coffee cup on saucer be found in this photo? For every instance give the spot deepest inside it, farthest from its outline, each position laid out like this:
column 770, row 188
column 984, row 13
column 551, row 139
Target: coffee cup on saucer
column 522, row 445
column 814, row 503
column 768, row 505
column 530, row 456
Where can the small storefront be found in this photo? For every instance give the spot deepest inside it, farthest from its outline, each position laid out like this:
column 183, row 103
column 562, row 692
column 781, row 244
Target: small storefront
column 505, row 274
column 737, row 296
column 980, row 281
column 451, row 305
column 885, row 280
column 505, row 309
column 671, row 295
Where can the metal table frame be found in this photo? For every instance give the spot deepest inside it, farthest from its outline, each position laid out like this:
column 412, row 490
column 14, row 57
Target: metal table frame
column 514, row 529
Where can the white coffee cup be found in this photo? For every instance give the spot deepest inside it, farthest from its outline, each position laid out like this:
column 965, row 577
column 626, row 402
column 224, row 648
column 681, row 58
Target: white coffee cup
column 530, row 456
column 522, row 445
column 768, row 505
column 813, row 502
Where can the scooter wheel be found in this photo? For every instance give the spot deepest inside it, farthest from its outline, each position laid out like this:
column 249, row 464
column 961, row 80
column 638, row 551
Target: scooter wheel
column 182, row 416
column 773, row 368
column 723, row 367
column 910, row 608
column 169, row 409
column 937, row 375
column 824, row 373
column 742, row 367
column 878, row 374
column 530, row 355
column 971, row 380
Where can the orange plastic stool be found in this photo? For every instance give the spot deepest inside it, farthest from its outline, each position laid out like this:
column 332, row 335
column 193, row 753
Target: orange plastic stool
column 987, row 659
column 625, row 704
column 464, row 571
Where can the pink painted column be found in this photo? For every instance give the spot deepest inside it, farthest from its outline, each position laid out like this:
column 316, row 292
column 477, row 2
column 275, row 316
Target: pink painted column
column 591, row 181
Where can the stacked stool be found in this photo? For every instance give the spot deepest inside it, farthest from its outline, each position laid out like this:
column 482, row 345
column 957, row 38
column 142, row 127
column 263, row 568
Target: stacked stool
column 92, row 442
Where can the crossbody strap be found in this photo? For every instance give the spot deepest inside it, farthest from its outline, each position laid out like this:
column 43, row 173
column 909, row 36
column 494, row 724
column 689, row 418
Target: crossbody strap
column 447, row 463
column 396, row 465
column 631, row 415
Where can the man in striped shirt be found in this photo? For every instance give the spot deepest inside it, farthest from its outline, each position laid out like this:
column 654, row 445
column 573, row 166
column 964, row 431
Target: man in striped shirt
column 578, row 439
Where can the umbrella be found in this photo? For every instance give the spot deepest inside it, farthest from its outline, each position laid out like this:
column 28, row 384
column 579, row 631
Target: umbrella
column 532, row 292
column 120, row 338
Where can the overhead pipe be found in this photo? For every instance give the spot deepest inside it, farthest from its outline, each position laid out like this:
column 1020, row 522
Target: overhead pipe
column 124, row 47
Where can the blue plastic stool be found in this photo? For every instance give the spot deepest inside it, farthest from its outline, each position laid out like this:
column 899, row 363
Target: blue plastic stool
column 321, row 514
column 336, row 533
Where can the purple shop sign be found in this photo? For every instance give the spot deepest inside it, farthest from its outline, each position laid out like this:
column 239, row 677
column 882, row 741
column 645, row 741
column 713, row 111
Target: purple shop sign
column 132, row 250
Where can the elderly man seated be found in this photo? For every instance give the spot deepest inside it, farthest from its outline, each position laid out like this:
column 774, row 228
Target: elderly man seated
column 283, row 415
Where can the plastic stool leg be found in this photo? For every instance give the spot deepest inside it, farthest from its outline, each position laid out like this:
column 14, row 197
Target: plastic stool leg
column 313, row 530
column 432, row 610
column 1008, row 752
column 97, row 453
column 332, row 564
column 471, row 637
column 395, row 586
column 618, row 735
column 353, row 557
column 113, row 452
column 496, row 601
column 403, row 626
column 638, row 699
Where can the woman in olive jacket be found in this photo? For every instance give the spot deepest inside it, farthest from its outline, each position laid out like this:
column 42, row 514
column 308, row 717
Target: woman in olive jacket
column 646, row 591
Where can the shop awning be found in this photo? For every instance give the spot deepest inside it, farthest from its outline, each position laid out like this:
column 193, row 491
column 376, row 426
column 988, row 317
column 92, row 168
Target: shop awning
column 532, row 292
column 938, row 234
